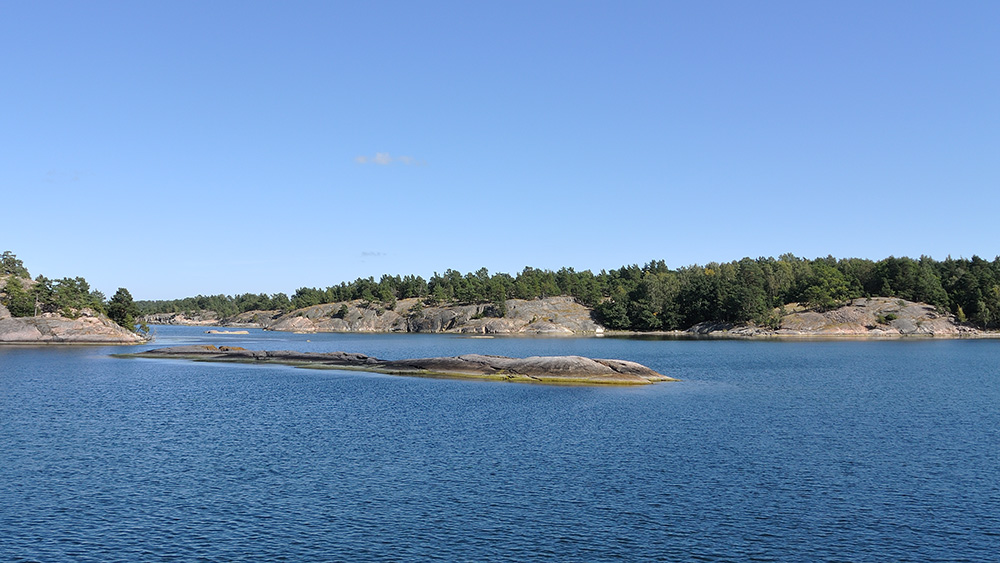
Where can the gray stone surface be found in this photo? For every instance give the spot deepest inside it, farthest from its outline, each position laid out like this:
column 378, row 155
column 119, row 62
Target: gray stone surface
column 553, row 315
column 51, row 329
column 875, row 317
column 548, row 369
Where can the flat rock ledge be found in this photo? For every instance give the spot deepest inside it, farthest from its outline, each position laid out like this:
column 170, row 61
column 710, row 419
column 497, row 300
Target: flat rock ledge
column 54, row 329
column 539, row 369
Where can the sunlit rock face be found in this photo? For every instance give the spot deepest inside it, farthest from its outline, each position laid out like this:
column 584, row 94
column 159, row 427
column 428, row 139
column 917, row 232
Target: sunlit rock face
column 50, row 328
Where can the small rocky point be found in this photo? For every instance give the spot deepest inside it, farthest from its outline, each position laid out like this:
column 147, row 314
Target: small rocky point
column 49, row 328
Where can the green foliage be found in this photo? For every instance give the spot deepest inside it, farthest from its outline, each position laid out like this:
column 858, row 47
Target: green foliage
column 18, row 301
column 417, row 308
column 886, row 319
column 67, row 296
column 223, row 305
column 499, row 308
column 122, row 310
column 10, row 265
column 387, row 294
column 648, row 297
column 24, row 297
column 910, row 279
column 827, row 288
column 613, row 314
column 655, row 297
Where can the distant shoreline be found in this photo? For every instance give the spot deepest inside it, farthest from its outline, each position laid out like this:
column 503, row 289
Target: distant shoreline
column 877, row 318
column 659, row 334
column 685, row 335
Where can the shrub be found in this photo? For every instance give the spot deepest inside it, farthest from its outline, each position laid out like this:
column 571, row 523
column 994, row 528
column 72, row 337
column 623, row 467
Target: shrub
column 886, row 319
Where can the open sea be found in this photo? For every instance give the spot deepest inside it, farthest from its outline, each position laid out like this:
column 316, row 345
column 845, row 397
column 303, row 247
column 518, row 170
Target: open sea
column 765, row 451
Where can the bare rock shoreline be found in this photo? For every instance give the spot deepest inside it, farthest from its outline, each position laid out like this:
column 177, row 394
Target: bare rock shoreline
column 88, row 328
column 876, row 317
column 536, row 369
column 549, row 316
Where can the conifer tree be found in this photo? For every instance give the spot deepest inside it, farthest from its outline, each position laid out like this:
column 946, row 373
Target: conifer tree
column 122, row 309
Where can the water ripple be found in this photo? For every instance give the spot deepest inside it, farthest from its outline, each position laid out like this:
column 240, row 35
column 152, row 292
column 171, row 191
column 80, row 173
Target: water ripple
column 821, row 452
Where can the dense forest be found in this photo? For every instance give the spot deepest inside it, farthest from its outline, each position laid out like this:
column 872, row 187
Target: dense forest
column 26, row 297
column 655, row 297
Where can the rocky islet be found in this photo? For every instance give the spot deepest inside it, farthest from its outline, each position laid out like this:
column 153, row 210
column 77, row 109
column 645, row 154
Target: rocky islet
column 539, row 369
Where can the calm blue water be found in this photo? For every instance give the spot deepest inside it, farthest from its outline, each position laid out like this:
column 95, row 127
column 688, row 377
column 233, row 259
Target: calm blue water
column 766, row 451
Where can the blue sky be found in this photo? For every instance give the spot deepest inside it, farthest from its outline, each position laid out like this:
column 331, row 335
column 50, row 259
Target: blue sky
column 177, row 148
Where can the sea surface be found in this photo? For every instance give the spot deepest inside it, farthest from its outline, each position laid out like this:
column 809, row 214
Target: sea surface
column 765, row 451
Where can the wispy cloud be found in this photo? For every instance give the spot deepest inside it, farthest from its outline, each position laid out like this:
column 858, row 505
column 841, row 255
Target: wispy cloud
column 385, row 159
column 372, row 253
column 60, row 176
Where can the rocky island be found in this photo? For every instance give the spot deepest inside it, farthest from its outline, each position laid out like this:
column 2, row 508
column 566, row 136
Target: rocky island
column 63, row 311
column 535, row 369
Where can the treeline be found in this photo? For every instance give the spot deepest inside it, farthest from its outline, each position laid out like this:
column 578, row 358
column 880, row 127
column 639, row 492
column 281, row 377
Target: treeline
column 224, row 305
column 43, row 295
column 454, row 287
column 754, row 291
column 451, row 287
column 655, row 297
column 26, row 297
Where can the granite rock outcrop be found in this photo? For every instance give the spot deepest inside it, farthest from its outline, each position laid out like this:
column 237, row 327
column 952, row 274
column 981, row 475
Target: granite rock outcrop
column 49, row 328
column 552, row 316
column 873, row 317
column 540, row 369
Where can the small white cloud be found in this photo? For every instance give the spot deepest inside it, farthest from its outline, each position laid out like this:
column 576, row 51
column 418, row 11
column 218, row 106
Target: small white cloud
column 385, row 159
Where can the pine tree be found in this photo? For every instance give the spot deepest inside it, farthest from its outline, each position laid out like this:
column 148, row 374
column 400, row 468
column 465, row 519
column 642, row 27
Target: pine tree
column 18, row 301
column 122, row 309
